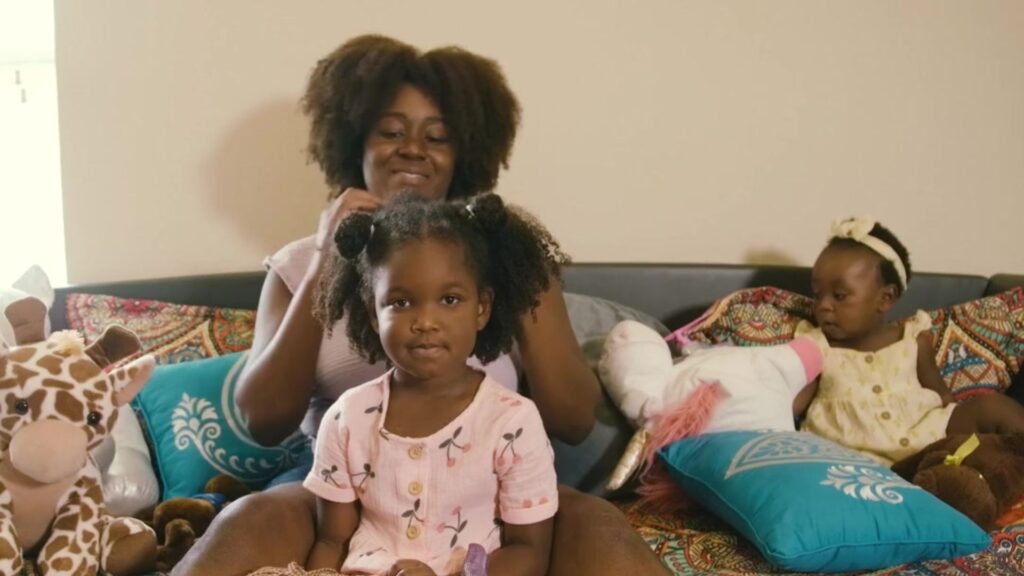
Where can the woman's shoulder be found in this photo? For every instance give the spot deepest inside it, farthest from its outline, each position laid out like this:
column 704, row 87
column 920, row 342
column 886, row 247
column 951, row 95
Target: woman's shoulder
column 291, row 261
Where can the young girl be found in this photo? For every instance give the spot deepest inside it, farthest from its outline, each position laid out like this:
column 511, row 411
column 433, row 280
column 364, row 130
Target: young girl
column 880, row 391
column 413, row 467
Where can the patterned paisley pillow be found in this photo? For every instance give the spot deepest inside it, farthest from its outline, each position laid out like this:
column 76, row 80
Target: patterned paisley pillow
column 764, row 316
column 171, row 332
column 979, row 345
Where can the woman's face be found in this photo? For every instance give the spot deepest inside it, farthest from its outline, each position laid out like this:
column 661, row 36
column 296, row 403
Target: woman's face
column 409, row 149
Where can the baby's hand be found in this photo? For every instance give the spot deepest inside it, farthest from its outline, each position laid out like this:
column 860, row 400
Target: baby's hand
column 410, row 568
column 351, row 200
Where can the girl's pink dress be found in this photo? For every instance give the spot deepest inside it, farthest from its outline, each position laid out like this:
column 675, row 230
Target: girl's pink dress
column 429, row 498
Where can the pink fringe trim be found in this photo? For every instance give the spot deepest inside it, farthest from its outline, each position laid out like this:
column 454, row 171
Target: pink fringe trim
column 657, row 491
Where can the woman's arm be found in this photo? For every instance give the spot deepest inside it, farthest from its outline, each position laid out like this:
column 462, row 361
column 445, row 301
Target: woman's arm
column 335, row 524
column 525, row 550
column 561, row 384
column 277, row 384
column 928, row 371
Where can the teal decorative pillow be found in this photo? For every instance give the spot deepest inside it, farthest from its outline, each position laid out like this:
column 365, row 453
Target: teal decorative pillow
column 196, row 432
column 810, row 505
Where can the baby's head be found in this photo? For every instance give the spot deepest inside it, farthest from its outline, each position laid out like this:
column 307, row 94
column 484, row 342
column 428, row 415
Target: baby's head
column 857, row 278
column 427, row 284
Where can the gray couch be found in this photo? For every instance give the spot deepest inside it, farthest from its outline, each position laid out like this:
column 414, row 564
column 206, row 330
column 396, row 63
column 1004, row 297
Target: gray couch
column 673, row 293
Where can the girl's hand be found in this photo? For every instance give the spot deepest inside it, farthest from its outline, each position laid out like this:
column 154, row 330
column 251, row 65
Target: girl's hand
column 410, row 568
column 351, row 200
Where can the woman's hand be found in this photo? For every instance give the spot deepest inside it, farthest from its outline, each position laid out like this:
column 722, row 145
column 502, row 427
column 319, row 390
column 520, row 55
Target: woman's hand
column 351, row 200
column 410, row 568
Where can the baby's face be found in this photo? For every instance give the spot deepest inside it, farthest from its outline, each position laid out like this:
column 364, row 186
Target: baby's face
column 849, row 297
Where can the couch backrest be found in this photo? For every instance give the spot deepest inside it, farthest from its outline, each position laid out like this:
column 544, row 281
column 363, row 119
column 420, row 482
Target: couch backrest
column 674, row 293
column 677, row 293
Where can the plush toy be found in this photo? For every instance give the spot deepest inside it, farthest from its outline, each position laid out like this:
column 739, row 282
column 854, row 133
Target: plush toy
column 33, row 282
column 981, row 475
column 180, row 521
column 57, row 404
column 711, row 390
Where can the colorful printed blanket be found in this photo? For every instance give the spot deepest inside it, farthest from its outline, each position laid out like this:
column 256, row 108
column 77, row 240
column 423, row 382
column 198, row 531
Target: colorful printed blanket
column 698, row 544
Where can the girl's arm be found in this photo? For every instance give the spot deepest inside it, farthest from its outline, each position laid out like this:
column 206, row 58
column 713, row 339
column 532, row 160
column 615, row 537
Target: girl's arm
column 277, row 384
column 525, row 550
column 561, row 384
column 928, row 371
column 336, row 522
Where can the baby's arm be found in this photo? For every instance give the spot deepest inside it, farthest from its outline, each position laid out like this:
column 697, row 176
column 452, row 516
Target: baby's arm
column 335, row 524
column 804, row 397
column 928, row 371
column 525, row 550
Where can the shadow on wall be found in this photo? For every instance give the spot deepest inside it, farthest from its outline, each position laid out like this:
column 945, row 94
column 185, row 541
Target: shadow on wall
column 769, row 257
column 260, row 180
column 779, row 269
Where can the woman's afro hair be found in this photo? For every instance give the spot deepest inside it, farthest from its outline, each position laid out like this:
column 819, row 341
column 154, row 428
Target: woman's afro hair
column 350, row 88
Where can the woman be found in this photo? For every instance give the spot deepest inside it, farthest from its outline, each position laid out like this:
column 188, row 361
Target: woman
column 388, row 119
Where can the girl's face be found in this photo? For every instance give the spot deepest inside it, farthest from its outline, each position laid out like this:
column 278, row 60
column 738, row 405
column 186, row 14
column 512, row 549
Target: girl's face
column 409, row 149
column 850, row 299
column 428, row 308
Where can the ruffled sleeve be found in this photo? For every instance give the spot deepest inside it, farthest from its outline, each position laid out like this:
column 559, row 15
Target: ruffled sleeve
column 917, row 323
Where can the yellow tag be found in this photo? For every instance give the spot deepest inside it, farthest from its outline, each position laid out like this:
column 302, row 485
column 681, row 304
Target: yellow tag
column 965, row 450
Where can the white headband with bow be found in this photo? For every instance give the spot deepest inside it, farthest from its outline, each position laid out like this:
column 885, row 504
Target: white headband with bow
column 859, row 230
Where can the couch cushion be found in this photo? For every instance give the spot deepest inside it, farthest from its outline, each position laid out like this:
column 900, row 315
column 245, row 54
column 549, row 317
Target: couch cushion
column 170, row 332
column 811, row 505
column 979, row 345
column 765, row 316
column 196, row 432
column 678, row 293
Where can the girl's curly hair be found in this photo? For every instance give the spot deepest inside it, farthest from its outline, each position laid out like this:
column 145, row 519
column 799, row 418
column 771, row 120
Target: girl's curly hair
column 349, row 89
column 887, row 269
column 507, row 250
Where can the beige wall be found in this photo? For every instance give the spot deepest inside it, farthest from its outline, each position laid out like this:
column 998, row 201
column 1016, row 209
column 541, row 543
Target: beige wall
column 664, row 130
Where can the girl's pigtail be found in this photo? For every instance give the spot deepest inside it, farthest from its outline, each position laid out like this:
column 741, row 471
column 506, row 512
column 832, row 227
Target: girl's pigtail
column 523, row 260
column 353, row 234
column 488, row 212
column 341, row 280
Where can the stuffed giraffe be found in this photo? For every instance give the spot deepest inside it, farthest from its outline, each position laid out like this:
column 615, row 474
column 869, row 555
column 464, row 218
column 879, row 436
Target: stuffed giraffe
column 56, row 404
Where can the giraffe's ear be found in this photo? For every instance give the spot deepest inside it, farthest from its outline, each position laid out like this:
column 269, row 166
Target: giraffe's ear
column 129, row 379
column 115, row 343
column 28, row 320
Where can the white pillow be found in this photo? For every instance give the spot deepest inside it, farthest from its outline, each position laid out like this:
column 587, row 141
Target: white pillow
column 33, row 282
column 129, row 482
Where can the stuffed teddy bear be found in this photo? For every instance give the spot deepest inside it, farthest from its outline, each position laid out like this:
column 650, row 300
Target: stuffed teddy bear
column 180, row 521
column 58, row 404
column 711, row 390
column 981, row 475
